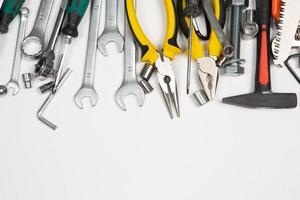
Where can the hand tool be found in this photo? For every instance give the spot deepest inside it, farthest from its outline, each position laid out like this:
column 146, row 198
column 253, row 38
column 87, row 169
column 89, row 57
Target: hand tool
column 3, row 90
column 201, row 97
column 159, row 62
column 130, row 84
column 45, row 105
column 233, row 65
column 13, row 83
column 9, row 10
column 34, row 44
column 208, row 71
column 276, row 4
column 249, row 25
column 111, row 31
column 27, row 79
column 87, row 89
column 75, row 11
column 263, row 96
column 44, row 67
column 291, row 70
column 228, row 49
column 191, row 10
column 287, row 28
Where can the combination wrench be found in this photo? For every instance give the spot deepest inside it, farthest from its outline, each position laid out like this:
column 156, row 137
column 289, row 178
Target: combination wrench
column 87, row 89
column 34, row 44
column 44, row 67
column 130, row 85
column 111, row 31
column 13, row 83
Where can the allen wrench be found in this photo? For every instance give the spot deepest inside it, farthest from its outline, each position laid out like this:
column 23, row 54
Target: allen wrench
column 45, row 105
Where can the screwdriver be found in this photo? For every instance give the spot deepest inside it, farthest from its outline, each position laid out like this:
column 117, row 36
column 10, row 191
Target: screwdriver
column 9, row 10
column 75, row 12
column 191, row 10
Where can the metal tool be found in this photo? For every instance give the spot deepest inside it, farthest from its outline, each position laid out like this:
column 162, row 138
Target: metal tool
column 191, row 10
column 87, row 89
column 249, row 25
column 235, row 8
column 130, row 85
column 9, row 10
column 228, row 49
column 34, row 44
column 76, row 11
column 208, row 70
column 13, row 83
column 3, row 90
column 44, row 67
column 201, row 97
column 263, row 97
column 159, row 59
column 285, row 39
column 111, row 31
column 27, row 79
column 45, row 105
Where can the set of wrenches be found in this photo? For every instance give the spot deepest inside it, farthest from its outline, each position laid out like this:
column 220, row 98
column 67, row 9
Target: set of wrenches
column 33, row 46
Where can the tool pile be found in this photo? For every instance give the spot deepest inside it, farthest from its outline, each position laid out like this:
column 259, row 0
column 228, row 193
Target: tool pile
column 215, row 47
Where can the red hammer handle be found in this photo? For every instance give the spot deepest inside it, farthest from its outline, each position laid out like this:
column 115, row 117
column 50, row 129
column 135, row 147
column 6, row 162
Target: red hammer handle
column 263, row 82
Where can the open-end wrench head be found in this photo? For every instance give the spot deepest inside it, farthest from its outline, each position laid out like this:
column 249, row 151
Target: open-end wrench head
column 129, row 89
column 109, row 37
column 14, row 87
column 86, row 93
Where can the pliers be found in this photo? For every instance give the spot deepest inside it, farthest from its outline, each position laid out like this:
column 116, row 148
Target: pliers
column 158, row 58
column 208, row 69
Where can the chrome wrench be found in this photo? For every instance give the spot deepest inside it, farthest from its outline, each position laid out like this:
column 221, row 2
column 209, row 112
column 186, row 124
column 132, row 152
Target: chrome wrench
column 87, row 89
column 111, row 31
column 130, row 85
column 44, row 67
column 13, row 83
column 34, row 44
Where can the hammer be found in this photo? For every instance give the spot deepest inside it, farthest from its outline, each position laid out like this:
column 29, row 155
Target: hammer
column 263, row 97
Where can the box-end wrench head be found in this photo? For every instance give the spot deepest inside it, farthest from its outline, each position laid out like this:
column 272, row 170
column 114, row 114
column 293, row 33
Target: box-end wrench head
column 13, row 83
column 34, row 45
column 111, row 32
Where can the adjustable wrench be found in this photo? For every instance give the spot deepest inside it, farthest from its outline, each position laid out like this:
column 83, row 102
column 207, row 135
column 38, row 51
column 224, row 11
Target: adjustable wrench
column 87, row 89
column 13, row 83
column 34, row 44
column 111, row 31
column 130, row 84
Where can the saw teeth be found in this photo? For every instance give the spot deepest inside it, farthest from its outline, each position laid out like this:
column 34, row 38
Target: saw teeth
column 288, row 26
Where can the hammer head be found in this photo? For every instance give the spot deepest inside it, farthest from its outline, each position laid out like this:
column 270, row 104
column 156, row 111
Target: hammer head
column 264, row 100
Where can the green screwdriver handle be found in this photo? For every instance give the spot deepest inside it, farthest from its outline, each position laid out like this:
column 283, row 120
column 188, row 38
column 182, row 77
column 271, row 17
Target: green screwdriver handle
column 9, row 10
column 76, row 10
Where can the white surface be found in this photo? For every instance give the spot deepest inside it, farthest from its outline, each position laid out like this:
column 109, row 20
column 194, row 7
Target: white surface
column 217, row 152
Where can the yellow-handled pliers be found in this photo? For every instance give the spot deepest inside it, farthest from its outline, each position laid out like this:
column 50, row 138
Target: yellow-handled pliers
column 159, row 58
column 208, row 70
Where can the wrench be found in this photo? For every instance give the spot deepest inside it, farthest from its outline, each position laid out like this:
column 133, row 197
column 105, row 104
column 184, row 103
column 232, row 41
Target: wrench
column 34, row 44
column 44, row 67
column 13, row 83
column 111, row 32
column 87, row 89
column 130, row 85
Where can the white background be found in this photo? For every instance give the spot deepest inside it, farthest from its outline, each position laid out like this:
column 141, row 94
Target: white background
column 216, row 152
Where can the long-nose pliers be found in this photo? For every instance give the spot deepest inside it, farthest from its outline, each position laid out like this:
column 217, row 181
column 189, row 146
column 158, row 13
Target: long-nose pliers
column 159, row 58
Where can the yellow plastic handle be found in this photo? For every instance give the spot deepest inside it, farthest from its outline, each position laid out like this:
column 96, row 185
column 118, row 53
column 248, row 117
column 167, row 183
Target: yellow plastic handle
column 214, row 45
column 149, row 51
column 170, row 47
